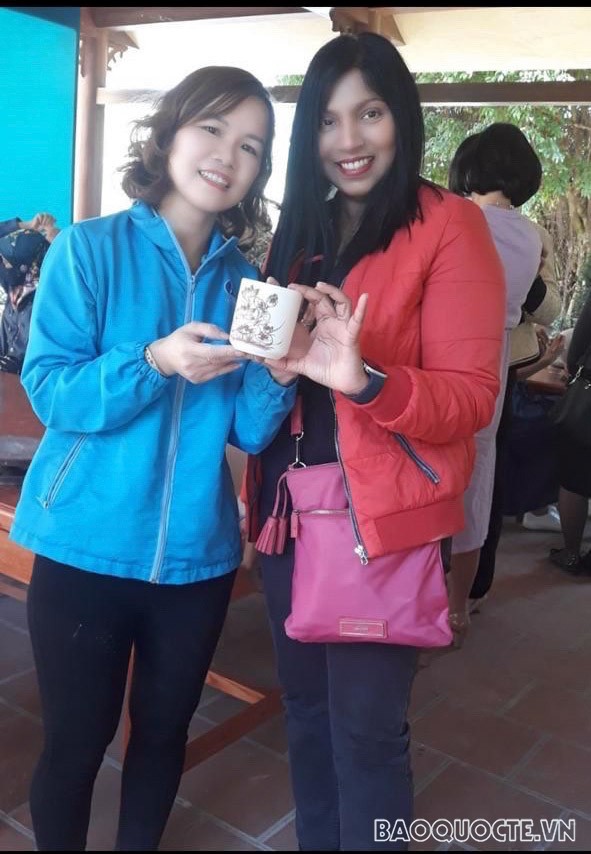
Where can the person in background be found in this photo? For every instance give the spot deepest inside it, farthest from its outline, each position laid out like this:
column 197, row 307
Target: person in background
column 21, row 254
column 358, row 219
column 574, row 466
column 526, row 346
column 128, row 503
column 540, row 309
column 542, row 476
column 547, row 518
column 551, row 354
column 499, row 171
column 43, row 222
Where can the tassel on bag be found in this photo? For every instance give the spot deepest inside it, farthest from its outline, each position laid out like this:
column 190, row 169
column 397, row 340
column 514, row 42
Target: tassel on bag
column 271, row 540
column 268, row 537
column 281, row 535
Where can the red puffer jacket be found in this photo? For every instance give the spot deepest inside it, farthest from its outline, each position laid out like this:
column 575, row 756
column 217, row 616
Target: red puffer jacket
column 435, row 325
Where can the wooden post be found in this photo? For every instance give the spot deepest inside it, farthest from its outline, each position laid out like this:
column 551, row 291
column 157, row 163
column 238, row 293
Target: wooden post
column 88, row 165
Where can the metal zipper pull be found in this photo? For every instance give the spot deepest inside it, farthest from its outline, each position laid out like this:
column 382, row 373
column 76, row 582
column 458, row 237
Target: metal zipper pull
column 361, row 554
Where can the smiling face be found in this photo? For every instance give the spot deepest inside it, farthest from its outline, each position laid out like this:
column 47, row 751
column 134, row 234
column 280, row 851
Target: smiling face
column 357, row 142
column 213, row 162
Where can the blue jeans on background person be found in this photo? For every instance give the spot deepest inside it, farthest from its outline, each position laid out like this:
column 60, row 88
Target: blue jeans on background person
column 346, row 710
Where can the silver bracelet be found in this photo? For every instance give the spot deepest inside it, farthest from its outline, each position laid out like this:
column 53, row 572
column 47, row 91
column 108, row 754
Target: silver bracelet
column 151, row 360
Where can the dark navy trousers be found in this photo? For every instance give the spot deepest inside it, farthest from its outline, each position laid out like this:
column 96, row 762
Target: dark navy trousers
column 346, row 710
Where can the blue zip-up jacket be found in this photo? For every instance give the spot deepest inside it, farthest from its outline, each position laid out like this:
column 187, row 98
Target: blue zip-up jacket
column 130, row 478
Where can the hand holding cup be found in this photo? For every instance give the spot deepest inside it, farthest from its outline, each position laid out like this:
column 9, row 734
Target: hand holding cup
column 184, row 352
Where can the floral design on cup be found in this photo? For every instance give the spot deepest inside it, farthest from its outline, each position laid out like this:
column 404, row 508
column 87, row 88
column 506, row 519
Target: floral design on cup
column 264, row 318
column 252, row 320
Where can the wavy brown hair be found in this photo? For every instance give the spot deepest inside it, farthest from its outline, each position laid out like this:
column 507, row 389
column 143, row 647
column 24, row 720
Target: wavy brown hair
column 206, row 93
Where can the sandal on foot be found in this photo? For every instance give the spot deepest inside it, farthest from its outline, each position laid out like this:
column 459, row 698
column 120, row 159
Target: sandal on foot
column 566, row 559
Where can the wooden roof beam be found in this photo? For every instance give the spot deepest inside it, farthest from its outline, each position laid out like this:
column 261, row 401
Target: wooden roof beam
column 553, row 94
column 131, row 16
column 575, row 92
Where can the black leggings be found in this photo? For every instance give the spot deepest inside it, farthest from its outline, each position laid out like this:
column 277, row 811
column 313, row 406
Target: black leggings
column 83, row 626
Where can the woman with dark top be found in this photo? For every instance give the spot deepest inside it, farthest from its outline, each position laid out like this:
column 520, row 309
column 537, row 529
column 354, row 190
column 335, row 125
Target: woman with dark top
column 574, row 467
column 422, row 380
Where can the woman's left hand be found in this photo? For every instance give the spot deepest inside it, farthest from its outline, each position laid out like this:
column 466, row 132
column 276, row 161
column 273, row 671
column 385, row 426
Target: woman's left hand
column 333, row 358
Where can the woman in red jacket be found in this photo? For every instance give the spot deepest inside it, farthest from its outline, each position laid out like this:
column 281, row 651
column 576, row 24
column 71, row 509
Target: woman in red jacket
column 357, row 214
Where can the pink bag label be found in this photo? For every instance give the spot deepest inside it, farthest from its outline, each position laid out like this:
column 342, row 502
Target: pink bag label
column 363, row 628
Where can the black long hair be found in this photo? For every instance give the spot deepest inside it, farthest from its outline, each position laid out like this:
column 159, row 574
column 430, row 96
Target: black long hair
column 498, row 158
column 211, row 91
column 305, row 223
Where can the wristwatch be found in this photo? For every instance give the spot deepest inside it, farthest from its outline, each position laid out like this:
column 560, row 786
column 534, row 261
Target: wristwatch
column 373, row 387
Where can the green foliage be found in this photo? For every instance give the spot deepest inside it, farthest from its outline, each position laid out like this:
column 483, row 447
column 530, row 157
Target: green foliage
column 549, row 129
column 560, row 135
column 289, row 80
column 584, row 178
column 586, row 272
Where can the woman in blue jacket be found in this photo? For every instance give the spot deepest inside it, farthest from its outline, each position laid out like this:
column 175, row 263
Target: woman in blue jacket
column 128, row 503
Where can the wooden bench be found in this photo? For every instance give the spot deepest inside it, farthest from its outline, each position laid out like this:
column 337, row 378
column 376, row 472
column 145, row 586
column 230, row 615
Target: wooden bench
column 15, row 563
column 20, row 432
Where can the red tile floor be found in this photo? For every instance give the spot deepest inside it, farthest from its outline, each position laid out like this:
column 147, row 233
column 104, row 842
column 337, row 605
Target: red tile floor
column 501, row 728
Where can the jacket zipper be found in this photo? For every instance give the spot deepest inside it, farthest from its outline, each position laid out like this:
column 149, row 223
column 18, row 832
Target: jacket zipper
column 174, row 430
column 62, row 472
column 419, row 461
column 359, row 549
column 167, row 492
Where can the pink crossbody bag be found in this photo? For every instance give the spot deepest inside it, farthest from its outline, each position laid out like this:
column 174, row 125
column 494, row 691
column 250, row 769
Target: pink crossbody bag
column 337, row 594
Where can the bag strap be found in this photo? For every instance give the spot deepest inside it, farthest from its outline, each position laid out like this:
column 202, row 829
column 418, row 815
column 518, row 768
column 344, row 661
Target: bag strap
column 297, row 417
column 297, row 431
column 340, row 273
column 585, row 360
column 280, row 497
column 583, row 367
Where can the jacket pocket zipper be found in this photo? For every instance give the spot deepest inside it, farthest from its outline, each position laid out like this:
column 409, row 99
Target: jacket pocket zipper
column 62, row 472
column 430, row 473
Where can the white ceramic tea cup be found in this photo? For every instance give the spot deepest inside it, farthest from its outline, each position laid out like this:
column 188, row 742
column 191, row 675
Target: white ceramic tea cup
column 264, row 318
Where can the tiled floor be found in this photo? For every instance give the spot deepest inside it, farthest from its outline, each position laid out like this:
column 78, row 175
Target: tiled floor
column 501, row 728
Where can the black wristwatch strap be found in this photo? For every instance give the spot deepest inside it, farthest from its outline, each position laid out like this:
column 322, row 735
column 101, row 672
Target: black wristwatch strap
column 373, row 388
